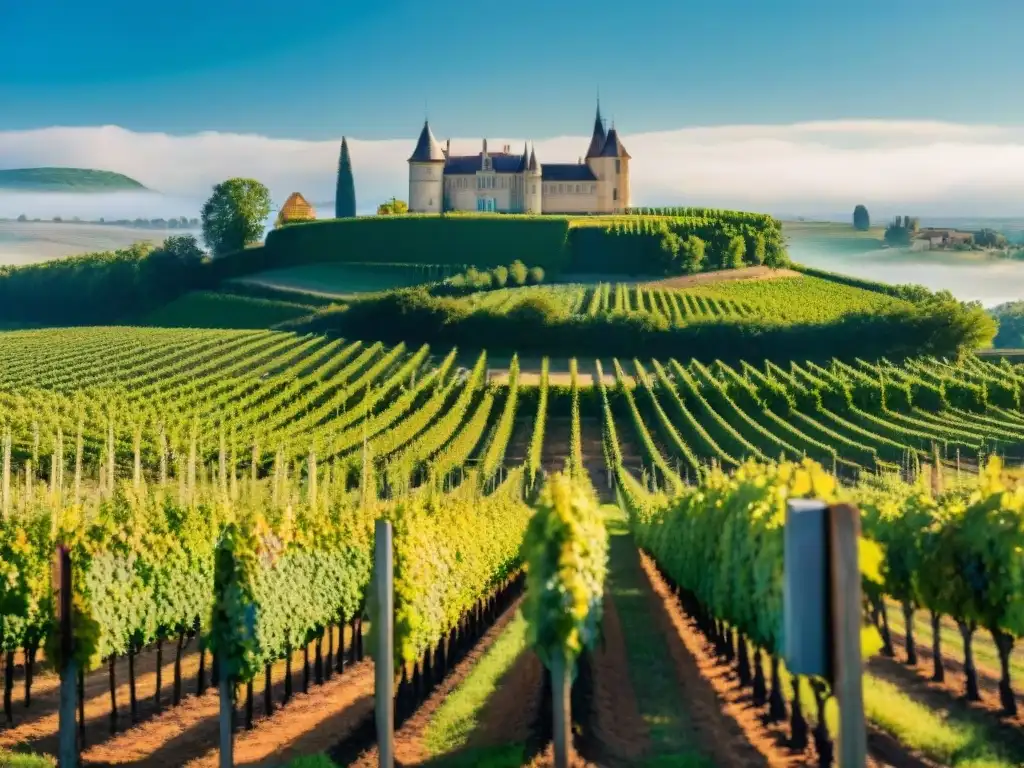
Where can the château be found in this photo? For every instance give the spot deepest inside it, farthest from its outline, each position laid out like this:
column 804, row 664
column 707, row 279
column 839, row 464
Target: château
column 598, row 183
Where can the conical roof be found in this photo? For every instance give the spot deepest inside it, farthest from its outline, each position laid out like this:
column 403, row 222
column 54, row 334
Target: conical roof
column 613, row 146
column 427, row 148
column 296, row 208
column 533, row 160
column 525, row 164
column 597, row 141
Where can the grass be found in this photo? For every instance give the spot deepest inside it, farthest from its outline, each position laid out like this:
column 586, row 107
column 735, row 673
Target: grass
column 985, row 653
column 345, row 280
column 651, row 669
column 209, row 309
column 23, row 760
column 450, row 728
column 957, row 738
column 838, row 237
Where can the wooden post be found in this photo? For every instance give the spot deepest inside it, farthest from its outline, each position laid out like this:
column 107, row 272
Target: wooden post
column 561, row 687
column 845, row 601
column 67, row 749
column 227, row 712
column 384, row 663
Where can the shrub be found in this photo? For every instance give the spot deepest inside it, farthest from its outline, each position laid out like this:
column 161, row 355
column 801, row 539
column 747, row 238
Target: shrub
column 535, row 276
column 499, row 276
column 517, row 273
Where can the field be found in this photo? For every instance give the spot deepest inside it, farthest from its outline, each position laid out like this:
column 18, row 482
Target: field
column 788, row 297
column 310, row 437
column 347, row 280
column 209, row 309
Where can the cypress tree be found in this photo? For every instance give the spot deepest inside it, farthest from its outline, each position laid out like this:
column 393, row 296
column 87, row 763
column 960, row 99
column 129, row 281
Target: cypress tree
column 345, row 195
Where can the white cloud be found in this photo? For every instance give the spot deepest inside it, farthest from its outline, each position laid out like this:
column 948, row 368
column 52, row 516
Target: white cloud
column 915, row 167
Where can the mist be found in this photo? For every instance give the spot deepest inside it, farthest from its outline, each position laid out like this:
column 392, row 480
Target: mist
column 93, row 206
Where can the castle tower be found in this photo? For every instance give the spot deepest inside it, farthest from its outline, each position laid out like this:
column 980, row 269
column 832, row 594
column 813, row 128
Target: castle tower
column 533, row 186
column 611, row 166
column 426, row 174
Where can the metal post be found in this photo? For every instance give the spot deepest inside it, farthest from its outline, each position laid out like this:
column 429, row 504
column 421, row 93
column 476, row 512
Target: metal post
column 844, row 536
column 384, row 663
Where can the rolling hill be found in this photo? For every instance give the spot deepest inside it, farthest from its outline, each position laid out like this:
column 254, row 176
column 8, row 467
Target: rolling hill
column 66, row 180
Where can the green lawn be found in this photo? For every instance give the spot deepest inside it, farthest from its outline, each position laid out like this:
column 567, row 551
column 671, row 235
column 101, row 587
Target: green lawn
column 209, row 309
column 345, row 280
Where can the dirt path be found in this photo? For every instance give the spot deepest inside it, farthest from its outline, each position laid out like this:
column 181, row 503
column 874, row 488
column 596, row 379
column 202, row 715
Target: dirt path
column 410, row 748
column 188, row 731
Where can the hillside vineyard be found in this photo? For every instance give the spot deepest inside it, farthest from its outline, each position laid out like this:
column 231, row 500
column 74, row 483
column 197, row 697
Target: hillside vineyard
column 140, row 400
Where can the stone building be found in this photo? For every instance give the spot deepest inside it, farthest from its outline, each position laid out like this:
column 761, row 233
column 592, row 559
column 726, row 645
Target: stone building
column 504, row 182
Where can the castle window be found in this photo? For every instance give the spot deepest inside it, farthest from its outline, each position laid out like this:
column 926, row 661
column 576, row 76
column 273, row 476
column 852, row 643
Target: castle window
column 577, row 189
column 615, row 194
column 534, row 189
column 618, row 165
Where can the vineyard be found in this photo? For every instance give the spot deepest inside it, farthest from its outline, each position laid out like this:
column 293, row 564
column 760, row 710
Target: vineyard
column 793, row 299
column 217, row 491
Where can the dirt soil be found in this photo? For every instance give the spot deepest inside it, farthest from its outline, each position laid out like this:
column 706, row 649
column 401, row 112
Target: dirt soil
column 510, row 714
column 187, row 734
column 410, row 749
column 723, row 276
column 741, row 735
column 621, row 737
column 955, row 681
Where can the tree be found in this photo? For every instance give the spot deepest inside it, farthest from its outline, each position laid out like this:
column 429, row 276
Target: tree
column 234, row 215
column 392, row 207
column 692, row 255
column 989, row 238
column 758, row 253
column 897, row 235
column 23, row 217
column 345, row 194
column 861, row 219
column 735, row 253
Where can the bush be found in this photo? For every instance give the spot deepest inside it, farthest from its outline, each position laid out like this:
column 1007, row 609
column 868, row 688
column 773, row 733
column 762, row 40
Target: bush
column 517, row 273
column 105, row 287
column 535, row 276
column 499, row 277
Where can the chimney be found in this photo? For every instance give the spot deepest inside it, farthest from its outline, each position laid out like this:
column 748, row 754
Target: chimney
column 448, row 148
column 485, row 146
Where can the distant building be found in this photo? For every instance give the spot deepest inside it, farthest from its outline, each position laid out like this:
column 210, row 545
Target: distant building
column 295, row 208
column 931, row 237
column 520, row 183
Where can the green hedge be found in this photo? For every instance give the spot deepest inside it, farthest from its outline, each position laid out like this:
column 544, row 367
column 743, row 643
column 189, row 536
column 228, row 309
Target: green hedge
column 482, row 241
column 632, row 245
column 598, row 244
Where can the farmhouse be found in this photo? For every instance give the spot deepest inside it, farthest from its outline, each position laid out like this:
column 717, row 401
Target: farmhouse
column 507, row 182
column 929, row 238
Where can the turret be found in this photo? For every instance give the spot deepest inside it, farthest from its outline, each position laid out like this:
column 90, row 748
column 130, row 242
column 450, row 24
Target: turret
column 611, row 166
column 426, row 174
column 532, row 196
column 598, row 139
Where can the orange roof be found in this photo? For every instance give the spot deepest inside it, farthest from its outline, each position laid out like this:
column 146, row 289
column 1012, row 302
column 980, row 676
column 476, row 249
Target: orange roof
column 296, row 208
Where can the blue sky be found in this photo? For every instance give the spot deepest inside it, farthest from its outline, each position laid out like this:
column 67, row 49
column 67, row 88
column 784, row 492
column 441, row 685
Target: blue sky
column 314, row 69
